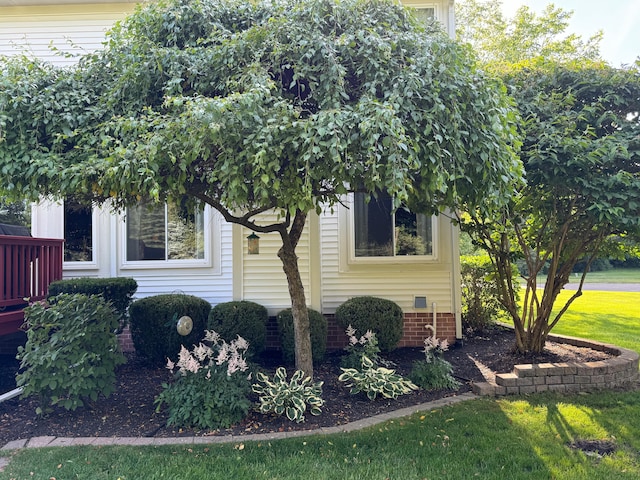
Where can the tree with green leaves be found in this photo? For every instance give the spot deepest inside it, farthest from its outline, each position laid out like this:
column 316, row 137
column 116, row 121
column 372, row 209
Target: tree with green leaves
column 580, row 126
column 502, row 42
column 581, row 153
column 14, row 213
column 257, row 107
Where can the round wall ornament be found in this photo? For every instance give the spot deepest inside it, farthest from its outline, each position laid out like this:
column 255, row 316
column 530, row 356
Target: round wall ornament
column 184, row 325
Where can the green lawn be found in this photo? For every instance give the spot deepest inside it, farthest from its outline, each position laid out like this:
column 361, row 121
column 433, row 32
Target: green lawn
column 612, row 317
column 515, row 438
column 525, row 438
column 617, row 275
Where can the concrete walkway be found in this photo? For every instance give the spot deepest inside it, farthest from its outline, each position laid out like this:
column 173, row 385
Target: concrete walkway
column 51, row 441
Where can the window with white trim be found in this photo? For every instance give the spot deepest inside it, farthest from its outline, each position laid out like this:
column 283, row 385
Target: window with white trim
column 78, row 231
column 165, row 233
column 380, row 233
column 425, row 14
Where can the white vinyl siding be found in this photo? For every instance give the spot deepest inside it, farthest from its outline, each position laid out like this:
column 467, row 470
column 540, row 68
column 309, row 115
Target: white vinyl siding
column 263, row 280
column 73, row 29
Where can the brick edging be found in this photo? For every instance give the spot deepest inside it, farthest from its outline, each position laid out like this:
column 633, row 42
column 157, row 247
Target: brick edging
column 618, row 371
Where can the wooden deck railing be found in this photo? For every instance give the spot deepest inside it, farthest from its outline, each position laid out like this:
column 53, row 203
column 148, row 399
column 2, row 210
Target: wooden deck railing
column 27, row 267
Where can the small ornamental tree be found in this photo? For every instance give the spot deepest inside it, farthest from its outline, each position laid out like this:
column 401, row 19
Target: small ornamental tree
column 252, row 107
column 582, row 158
column 581, row 152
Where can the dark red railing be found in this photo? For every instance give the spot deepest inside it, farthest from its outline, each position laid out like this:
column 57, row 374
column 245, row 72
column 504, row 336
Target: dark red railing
column 27, row 267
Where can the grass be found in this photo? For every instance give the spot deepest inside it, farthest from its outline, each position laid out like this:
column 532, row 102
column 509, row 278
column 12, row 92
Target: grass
column 491, row 439
column 611, row 317
column 515, row 438
column 617, row 275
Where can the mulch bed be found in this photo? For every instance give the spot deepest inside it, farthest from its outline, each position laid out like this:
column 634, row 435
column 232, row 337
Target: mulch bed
column 130, row 411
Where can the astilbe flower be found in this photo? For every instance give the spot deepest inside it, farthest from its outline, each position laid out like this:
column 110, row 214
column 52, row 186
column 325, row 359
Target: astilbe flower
column 366, row 345
column 433, row 347
column 363, row 340
column 205, row 356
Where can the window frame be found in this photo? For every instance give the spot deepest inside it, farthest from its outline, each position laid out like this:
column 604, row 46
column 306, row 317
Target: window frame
column 390, row 259
column 417, row 5
column 211, row 232
column 83, row 264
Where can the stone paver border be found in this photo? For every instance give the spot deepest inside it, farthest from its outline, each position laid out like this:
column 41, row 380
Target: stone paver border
column 569, row 377
column 50, row 441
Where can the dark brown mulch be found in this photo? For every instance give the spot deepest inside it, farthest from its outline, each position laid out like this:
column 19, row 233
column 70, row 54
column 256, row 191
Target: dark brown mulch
column 130, row 411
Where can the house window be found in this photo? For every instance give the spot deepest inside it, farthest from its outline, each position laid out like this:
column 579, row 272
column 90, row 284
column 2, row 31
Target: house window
column 169, row 232
column 78, row 232
column 425, row 14
column 380, row 233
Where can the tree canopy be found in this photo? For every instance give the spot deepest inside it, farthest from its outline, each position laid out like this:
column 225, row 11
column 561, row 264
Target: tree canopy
column 259, row 106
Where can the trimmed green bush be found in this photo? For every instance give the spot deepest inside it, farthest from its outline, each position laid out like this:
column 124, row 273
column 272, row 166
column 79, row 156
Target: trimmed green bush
column 71, row 352
column 244, row 318
column 318, row 325
column 118, row 292
column 153, row 325
column 383, row 317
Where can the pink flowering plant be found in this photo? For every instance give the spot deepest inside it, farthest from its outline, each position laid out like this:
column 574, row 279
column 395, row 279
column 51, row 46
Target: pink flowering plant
column 434, row 371
column 212, row 385
column 364, row 346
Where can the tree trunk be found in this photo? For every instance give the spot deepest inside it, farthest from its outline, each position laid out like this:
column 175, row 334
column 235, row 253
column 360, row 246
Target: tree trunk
column 301, row 328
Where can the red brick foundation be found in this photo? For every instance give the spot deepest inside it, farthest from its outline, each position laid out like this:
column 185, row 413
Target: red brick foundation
column 125, row 341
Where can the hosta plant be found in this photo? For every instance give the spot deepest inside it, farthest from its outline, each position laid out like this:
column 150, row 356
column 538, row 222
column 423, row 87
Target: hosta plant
column 375, row 381
column 289, row 397
column 434, row 371
column 211, row 389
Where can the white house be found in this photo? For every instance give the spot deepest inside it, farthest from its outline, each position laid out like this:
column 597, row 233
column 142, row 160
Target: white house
column 345, row 253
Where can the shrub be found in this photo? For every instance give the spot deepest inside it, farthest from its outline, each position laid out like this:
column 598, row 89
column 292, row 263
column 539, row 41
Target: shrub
column 365, row 346
column 118, row 292
column 71, row 351
column 434, row 371
column 289, row 397
column 383, row 317
column 480, row 297
column 375, row 381
column 243, row 318
column 318, row 325
column 153, row 325
column 212, row 388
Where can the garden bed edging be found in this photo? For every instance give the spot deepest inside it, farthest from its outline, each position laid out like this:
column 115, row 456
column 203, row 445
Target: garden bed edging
column 620, row 370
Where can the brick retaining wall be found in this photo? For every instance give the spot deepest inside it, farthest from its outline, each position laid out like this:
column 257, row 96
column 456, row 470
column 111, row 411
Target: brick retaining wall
column 620, row 370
